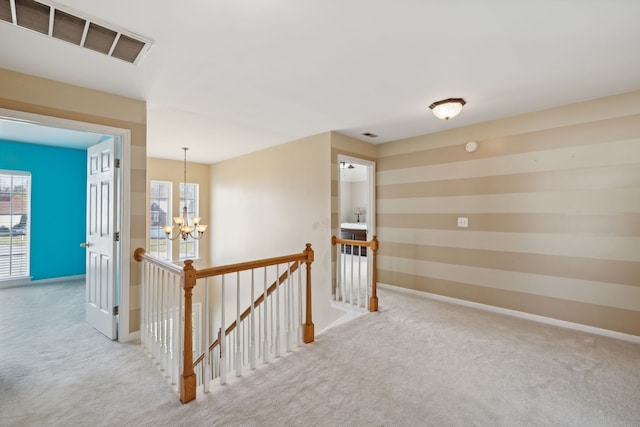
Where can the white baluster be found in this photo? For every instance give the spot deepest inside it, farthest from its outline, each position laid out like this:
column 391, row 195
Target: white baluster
column 252, row 327
column 223, row 340
column 207, row 359
column 155, row 314
column 175, row 301
column 271, row 323
column 180, row 322
column 351, row 299
column 288, row 307
column 238, row 330
column 259, row 329
column 359, row 274
column 168, row 305
column 163, row 323
column 343, row 256
column 299, row 323
column 277, row 311
column 265, row 342
column 145, row 308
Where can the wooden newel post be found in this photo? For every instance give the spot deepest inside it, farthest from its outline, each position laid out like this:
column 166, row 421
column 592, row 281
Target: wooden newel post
column 308, row 334
column 373, row 299
column 188, row 379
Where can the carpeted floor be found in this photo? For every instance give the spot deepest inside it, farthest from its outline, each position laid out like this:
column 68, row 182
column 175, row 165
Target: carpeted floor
column 415, row 363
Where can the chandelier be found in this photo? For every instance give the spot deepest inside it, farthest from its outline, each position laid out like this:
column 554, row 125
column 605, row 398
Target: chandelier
column 195, row 231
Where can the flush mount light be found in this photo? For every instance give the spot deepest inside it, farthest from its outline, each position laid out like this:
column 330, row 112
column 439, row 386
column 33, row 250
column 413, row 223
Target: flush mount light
column 447, row 108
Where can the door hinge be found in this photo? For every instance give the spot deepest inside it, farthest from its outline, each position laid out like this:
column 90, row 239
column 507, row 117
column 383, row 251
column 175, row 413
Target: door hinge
column 116, row 163
column 116, row 236
column 115, row 310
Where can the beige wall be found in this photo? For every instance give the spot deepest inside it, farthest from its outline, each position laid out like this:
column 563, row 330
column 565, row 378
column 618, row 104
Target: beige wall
column 173, row 171
column 553, row 201
column 354, row 196
column 271, row 203
column 29, row 94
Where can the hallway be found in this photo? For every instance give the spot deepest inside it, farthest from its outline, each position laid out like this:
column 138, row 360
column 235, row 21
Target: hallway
column 416, row 362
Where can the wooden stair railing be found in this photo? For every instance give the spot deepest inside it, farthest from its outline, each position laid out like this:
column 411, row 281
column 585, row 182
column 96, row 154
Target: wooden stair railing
column 353, row 248
column 247, row 312
column 163, row 337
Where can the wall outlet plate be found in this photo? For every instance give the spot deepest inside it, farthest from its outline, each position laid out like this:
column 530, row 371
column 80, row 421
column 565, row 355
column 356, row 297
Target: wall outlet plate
column 463, row 222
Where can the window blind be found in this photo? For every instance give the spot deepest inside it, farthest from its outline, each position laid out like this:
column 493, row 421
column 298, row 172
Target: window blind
column 15, row 221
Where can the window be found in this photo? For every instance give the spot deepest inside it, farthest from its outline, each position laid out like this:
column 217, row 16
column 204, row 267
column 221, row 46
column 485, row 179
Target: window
column 15, row 217
column 160, row 201
column 189, row 198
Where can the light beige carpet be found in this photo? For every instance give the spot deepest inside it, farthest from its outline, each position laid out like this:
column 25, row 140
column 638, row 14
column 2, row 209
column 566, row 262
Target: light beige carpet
column 415, row 363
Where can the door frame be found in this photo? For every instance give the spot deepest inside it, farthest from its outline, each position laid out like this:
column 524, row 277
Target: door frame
column 371, row 205
column 122, row 193
column 371, row 184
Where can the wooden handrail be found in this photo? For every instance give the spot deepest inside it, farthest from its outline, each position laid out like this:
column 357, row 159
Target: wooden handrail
column 250, row 265
column 140, row 255
column 374, row 245
column 369, row 244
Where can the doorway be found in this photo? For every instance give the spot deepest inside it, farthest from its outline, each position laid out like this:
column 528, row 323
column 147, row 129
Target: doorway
column 121, row 258
column 356, row 193
column 357, row 221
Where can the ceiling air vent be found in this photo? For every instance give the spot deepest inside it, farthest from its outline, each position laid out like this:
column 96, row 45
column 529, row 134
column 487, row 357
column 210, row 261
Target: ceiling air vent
column 370, row 135
column 63, row 24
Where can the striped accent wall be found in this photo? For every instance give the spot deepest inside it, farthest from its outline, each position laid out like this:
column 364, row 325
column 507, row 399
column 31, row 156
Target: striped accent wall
column 554, row 218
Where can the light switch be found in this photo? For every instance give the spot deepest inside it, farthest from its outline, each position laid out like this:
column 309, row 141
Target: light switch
column 463, row 222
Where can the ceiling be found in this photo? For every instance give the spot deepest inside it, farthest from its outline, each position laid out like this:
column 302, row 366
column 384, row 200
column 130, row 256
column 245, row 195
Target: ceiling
column 230, row 77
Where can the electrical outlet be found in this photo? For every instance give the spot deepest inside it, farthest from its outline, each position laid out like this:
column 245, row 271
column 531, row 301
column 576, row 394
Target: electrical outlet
column 463, row 222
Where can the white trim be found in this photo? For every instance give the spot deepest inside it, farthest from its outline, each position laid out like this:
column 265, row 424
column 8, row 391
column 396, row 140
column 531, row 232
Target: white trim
column 125, row 244
column 26, row 281
column 134, row 337
column 519, row 314
column 371, row 206
column 125, row 199
column 58, row 279
column 350, row 313
column 371, row 178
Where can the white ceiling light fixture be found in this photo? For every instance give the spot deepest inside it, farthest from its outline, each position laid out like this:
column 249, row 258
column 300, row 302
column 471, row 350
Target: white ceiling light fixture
column 447, row 108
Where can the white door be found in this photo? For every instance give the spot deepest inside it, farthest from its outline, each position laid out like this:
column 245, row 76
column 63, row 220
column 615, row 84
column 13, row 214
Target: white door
column 101, row 239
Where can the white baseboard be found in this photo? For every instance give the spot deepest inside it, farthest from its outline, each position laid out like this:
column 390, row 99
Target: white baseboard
column 514, row 313
column 26, row 281
column 349, row 314
column 132, row 337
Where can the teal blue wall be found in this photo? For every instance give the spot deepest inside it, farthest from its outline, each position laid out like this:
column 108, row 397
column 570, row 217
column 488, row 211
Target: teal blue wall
column 58, row 205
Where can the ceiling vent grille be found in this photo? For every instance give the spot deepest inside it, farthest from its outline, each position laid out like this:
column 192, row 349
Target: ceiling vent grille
column 64, row 24
column 370, row 135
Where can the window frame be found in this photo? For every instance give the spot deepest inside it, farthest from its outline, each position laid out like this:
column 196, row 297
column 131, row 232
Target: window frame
column 186, row 254
column 157, row 230
column 24, row 270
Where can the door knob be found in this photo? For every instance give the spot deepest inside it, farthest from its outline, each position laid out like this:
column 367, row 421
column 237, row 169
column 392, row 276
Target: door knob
column 85, row 245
